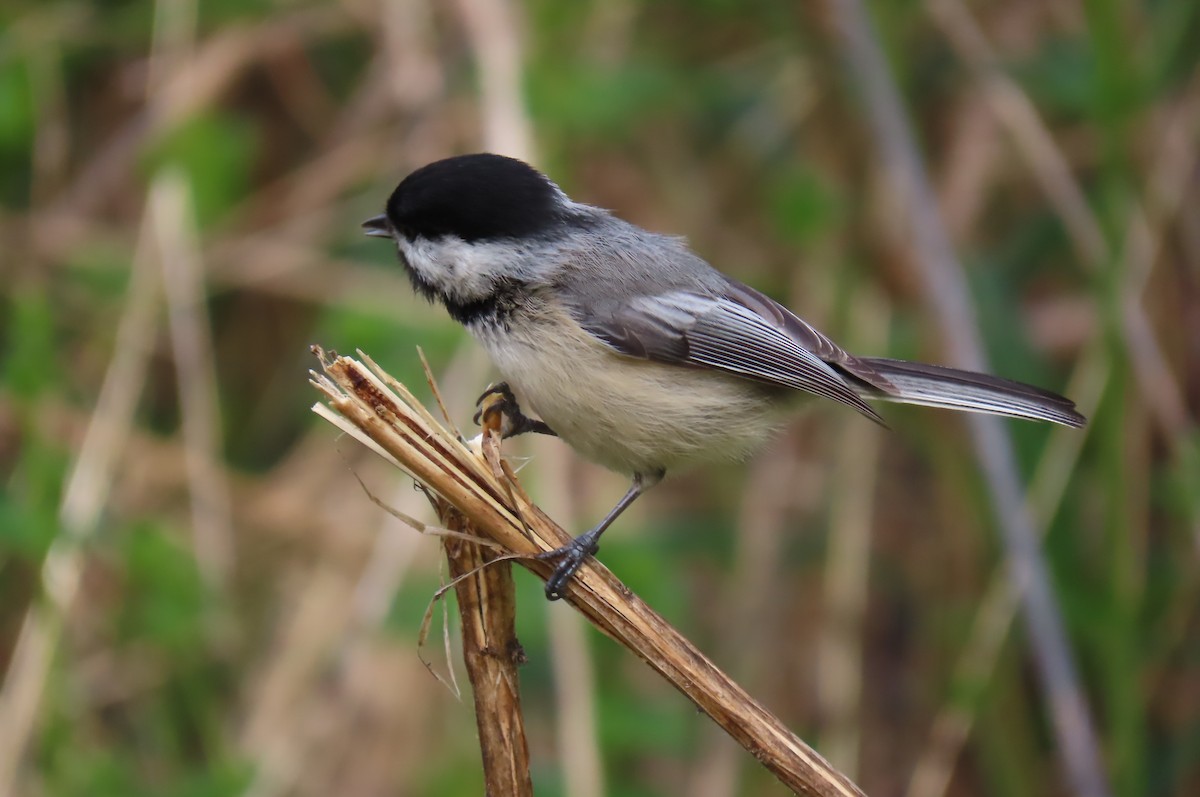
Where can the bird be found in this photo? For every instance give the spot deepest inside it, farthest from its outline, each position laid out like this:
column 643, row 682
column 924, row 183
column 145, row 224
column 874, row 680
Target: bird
column 628, row 346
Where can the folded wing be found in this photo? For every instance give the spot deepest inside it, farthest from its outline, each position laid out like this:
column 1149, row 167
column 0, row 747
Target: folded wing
column 685, row 328
column 743, row 332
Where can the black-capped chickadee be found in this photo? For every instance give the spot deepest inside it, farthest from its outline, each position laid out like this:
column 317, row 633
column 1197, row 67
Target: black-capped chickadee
column 636, row 352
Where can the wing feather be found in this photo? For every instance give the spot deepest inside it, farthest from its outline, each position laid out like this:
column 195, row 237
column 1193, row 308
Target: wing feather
column 720, row 332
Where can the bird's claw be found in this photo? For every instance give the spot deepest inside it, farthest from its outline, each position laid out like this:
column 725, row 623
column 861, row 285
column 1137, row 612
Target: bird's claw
column 570, row 558
column 499, row 398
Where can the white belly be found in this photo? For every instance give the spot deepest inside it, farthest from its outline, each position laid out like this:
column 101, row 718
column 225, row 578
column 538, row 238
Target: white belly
column 629, row 415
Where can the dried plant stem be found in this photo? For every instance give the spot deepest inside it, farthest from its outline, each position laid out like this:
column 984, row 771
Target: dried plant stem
column 383, row 414
column 487, row 609
column 195, row 368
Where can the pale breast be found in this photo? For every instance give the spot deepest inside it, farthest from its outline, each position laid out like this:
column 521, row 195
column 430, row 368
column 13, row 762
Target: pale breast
column 630, row 415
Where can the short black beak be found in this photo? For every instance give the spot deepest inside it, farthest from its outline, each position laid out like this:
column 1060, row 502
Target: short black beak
column 377, row 227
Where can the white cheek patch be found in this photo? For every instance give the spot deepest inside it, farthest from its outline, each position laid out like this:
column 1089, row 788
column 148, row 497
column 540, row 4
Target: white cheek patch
column 461, row 270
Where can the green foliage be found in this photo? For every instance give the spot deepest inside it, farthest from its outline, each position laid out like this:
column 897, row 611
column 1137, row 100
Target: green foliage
column 167, row 604
column 1060, row 78
column 603, row 104
column 803, row 206
column 392, row 337
column 28, row 365
column 631, row 725
column 95, row 772
column 16, row 132
column 215, row 152
column 28, row 521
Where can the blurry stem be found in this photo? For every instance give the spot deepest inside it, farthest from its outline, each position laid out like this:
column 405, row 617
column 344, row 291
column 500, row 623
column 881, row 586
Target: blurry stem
column 171, row 45
column 749, row 607
column 556, row 487
column 992, row 620
column 1015, row 111
column 1165, row 192
column 275, row 731
column 183, row 282
column 1170, row 176
column 51, row 145
column 391, row 555
column 213, row 68
column 494, row 32
column 87, row 488
column 284, row 689
column 947, row 292
column 852, row 501
column 83, row 500
column 1158, row 387
column 575, row 694
column 410, row 50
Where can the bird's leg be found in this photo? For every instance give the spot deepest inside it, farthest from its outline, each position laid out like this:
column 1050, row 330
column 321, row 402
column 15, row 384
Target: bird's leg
column 499, row 398
column 571, row 556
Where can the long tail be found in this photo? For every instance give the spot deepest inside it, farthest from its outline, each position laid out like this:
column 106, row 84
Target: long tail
column 937, row 386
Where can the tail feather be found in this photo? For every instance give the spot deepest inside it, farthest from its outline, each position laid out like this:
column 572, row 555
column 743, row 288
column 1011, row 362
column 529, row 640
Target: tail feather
column 937, row 386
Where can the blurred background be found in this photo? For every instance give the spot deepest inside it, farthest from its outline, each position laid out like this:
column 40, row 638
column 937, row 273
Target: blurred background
column 197, row 597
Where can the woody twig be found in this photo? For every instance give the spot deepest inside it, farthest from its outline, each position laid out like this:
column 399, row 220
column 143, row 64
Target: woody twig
column 381, row 413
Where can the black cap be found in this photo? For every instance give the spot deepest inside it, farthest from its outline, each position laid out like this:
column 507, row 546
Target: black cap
column 474, row 197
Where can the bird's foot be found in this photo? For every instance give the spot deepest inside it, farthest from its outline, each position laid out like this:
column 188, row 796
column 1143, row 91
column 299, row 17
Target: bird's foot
column 570, row 558
column 499, row 398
